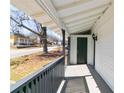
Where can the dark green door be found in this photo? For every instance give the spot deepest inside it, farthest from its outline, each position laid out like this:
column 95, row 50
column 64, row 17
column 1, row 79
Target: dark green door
column 82, row 50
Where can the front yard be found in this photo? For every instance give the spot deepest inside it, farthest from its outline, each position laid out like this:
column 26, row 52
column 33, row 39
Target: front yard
column 25, row 65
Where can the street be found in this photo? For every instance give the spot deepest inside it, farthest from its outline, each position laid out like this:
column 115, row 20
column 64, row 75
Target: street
column 26, row 51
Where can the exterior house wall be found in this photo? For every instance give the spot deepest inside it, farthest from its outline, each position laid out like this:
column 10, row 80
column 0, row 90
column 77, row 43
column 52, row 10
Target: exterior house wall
column 104, row 28
column 20, row 41
column 73, row 49
column 25, row 41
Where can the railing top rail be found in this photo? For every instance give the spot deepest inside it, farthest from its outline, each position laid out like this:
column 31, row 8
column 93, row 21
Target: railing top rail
column 34, row 75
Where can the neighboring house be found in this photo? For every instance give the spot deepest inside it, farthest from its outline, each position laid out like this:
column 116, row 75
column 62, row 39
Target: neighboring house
column 20, row 40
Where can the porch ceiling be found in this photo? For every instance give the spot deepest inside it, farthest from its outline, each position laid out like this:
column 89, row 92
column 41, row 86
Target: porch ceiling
column 72, row 15
column 80, row 15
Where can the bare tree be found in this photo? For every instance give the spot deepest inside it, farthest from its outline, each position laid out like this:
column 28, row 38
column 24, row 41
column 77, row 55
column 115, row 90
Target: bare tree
column 17, row 23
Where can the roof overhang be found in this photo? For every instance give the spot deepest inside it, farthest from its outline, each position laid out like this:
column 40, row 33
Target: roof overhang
column 72, row 15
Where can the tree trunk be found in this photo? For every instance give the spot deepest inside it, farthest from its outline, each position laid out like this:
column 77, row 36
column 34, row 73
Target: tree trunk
column 45, row 50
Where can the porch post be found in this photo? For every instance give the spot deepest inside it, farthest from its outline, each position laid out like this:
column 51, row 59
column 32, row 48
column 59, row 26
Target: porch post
column 45, row 50
column 68, row 51
column 94, row 53
column 63, row 46
column 63, row 41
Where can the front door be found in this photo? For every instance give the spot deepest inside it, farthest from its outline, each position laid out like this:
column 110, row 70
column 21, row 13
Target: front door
column 81, row 50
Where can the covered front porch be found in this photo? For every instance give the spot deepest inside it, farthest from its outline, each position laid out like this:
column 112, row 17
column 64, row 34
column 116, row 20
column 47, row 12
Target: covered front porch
column 57, row 77
column 88, row 25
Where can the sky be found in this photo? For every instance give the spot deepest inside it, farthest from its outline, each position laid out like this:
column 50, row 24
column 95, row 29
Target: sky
column 31, row 24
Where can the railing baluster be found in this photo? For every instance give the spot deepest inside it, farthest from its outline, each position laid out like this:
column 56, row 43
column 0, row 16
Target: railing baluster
column 37, row 90
column 26, row 89
column 42, row 84
column 40, row 78
column 33, row 86
column 29, row 88
column 21, row 91
column 47, row 81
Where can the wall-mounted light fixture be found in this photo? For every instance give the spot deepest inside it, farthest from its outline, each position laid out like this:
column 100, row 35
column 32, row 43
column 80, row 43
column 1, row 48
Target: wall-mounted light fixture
column 94, row 36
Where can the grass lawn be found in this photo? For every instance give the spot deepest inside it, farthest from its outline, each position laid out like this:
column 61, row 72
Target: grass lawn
column 25, row 65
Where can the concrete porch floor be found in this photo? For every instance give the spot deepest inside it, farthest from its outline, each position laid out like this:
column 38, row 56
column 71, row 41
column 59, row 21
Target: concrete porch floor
column 84, row 79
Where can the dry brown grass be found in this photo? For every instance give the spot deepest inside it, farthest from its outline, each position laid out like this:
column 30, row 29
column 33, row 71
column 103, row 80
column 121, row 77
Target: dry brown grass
column 25, row 65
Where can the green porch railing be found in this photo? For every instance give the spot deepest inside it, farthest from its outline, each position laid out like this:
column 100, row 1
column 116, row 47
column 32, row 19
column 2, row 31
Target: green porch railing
column 45, row 80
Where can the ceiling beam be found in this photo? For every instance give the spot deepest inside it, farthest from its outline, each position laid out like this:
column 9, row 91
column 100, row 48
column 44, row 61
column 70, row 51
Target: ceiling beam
column 72, row 4
column 80, row 29
column 82, row 21
column 48, row 7
column 81, row 24
column 81, row 18
column 84, row 14
column 83, row 7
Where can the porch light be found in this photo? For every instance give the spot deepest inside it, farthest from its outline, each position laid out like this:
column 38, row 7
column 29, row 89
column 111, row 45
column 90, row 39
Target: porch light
column 94, row 36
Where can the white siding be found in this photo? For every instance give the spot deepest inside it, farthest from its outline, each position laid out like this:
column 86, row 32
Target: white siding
column 104, row 28
column 73, row 50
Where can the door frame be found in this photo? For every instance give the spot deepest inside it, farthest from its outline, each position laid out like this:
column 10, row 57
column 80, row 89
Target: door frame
column 73, row 49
